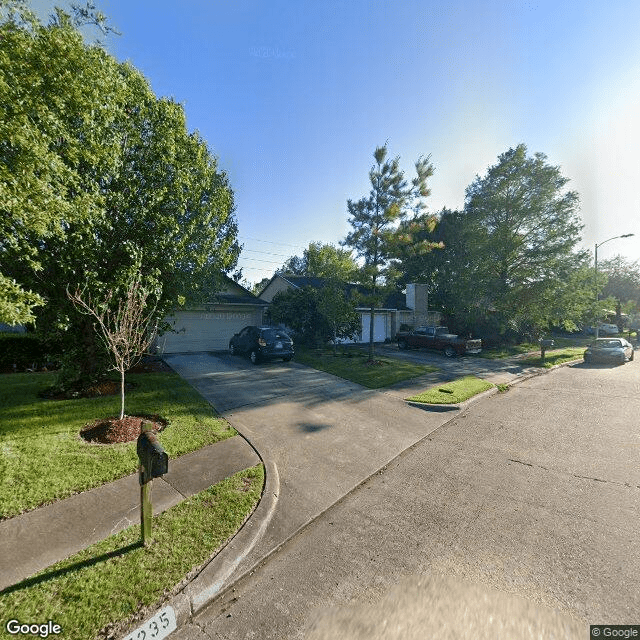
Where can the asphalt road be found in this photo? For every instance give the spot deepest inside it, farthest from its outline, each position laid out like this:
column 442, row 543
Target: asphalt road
column 533, row 494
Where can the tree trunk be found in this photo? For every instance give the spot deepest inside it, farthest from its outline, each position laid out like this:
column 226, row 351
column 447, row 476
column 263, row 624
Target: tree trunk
column 88, row 365
column 371, row 315
column 121, row 393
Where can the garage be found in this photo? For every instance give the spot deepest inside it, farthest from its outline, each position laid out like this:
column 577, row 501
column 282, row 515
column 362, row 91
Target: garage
column 209, row 328
column 380, row 326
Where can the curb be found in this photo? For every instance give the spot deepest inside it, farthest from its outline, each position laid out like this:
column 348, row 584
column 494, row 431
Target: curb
column 489, row 392
column 543, row 370
column 212, row 579
column 460, row 406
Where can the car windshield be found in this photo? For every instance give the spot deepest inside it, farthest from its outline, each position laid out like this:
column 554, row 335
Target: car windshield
column 606, row 344
column 274, row 334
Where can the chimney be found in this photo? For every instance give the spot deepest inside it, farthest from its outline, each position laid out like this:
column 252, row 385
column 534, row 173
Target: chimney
column 418, row 302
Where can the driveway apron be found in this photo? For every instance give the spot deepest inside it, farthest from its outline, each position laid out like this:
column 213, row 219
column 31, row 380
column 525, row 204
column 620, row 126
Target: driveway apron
column 326, row 435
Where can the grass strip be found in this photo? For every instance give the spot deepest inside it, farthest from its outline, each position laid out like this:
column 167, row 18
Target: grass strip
column 557, row 356
column 353, row 365
column 452, row 392
column 113, row 581
column 43, row 458
column 497, row 353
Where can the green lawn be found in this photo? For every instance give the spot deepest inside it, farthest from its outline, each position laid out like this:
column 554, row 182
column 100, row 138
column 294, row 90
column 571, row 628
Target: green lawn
column 351, row 364
column 452, row 392
column 556, row 356
column 496, row 353
column 43, row 459
column 506, row 351
column 112, row 580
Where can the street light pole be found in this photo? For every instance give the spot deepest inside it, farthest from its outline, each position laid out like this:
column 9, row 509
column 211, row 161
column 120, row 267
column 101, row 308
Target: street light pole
column 626, row 235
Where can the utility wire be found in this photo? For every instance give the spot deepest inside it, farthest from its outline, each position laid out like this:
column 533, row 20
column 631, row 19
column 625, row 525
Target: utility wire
column 283, row 244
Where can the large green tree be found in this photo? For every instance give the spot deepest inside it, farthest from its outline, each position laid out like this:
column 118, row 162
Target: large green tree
column 298, row 310
column 317, row 315
column 40, row 191
column 623, row 284
column 531, row 228
column 509, row 265
column 338, row 309
column 375, row 219
column 322, row 261
column 98, row 175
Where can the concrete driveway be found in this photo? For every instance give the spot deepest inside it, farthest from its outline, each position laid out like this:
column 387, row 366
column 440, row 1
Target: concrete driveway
column 325, row 435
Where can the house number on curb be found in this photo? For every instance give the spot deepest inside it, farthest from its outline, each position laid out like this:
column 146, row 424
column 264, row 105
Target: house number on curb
column 157, row 627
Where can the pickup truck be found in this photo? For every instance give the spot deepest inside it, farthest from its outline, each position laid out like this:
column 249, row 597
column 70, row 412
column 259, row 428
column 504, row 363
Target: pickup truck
column 438, row 338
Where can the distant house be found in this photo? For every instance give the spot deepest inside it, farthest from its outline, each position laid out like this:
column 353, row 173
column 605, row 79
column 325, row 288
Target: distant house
column 12, row 328
column 210, row 326
column 398, row 309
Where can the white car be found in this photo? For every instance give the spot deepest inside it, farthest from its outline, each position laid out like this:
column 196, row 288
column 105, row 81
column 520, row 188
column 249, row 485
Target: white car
column 616, row 350
column 608, row 329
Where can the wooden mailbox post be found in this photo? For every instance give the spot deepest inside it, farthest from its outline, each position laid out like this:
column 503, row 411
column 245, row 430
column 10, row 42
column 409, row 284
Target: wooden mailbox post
column 544, row 345
column 154, row 463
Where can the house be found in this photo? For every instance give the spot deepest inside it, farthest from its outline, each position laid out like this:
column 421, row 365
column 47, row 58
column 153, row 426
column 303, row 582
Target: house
column 210, row 326
column 12, row 328
column 398, row 309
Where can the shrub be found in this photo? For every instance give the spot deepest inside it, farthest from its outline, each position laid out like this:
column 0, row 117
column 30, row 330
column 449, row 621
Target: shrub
column 21, row 351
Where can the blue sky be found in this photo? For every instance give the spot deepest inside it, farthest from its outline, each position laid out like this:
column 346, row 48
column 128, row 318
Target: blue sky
column 293, row 98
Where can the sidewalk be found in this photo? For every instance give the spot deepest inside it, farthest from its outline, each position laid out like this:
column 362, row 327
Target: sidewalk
column 37, row 539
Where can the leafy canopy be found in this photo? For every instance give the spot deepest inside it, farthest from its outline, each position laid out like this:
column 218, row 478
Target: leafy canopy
column 316, row 315
column 531, row 229
column 322, row 261
column 97, row 176
column 623, row 279
column 509, row 264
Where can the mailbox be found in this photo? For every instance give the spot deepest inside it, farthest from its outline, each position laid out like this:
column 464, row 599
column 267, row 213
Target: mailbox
column 546, row 344
column 153, row 457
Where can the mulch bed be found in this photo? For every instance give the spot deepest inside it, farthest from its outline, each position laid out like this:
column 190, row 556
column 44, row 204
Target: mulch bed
column 102, row 388
column 149, row 364
column 112, row 430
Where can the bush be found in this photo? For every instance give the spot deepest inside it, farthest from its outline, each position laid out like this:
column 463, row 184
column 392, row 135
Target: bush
column 19, row 351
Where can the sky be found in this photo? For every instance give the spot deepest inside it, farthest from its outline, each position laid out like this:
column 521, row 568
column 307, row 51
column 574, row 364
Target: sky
column 293, row 97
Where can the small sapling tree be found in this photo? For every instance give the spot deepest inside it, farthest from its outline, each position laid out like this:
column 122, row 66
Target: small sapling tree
column 126, row 327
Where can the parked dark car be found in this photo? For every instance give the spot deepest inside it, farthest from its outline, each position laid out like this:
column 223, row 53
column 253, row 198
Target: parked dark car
column 262, row 343
column 616, row 350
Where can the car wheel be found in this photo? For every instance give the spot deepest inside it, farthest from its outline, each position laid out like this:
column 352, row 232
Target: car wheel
column 631, row 357
column 402, row 344
column 253, row 356
column 286, row 359
column 449, row 351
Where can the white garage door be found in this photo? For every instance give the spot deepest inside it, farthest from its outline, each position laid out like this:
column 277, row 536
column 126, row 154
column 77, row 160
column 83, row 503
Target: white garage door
column 205, row 331
column 379, row 327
